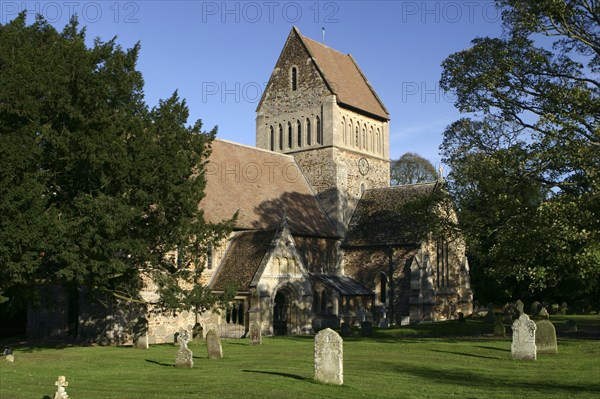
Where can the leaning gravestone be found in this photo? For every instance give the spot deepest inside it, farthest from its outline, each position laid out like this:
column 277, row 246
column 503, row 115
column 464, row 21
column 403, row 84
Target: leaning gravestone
column 545, row 337
column 61, row 384
column 255, row 334
column 329, row 357
column 213, row 345
column 523, row 339
column 185, row 357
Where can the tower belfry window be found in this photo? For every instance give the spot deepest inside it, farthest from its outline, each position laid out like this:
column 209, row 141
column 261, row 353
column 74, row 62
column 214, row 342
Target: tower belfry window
column 294, row 78
column 319, row 133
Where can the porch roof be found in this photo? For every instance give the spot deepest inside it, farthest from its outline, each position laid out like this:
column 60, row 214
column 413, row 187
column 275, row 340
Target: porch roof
column 342, row 284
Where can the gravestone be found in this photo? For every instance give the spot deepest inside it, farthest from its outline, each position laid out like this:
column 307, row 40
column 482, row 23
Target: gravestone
column 523, row 339
column 554, row 308
column 489, row 317
column 543, row 314
column 384, row 323
column 197, row 334
column 571, row 325
column 345, row 329
column 329, row 357
column 140, row 334
column 545, row 337
column 61, row 384
column 461, row 317
column 563, row 308
column 520, row 307
column 9, row 355
column 499, row 329
column 185, row 357
column 255, row 334
column 213, row 345
column 366, row 329
column 535, row 308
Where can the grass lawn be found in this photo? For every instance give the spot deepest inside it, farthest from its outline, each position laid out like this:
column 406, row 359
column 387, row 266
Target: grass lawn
column 411, row 362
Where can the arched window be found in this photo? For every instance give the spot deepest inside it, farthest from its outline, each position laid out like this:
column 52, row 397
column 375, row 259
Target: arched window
column 382, row 288
column 317, row 302
column 344, row 130
column 356, row 137
column 294, row 78
column 280, row 137
column 362, row 188
column 289, row 135
column 319, row 133
column 364, row 137
column 378, row 142
column 308, row 132
column 209, row 256
column 272, row 138
column 299, row 131
column 323, row 302
column 371, row 146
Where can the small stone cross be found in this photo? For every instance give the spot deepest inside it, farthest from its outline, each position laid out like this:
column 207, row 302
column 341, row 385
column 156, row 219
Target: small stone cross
column 184, row 338
column 60, row 391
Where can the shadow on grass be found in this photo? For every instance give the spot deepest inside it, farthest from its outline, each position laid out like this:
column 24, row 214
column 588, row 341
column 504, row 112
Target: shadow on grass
column 159, row 363
column 492, row 348
column 465, row 354
column 477, row 380
column 287, row 375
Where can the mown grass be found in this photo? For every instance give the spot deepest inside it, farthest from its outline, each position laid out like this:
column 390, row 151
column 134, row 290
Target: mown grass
column 395, row 363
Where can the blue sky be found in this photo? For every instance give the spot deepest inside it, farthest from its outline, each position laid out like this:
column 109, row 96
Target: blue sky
column 219, row 55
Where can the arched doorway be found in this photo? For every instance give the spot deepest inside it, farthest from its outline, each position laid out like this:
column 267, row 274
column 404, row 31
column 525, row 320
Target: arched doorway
column 280, row 315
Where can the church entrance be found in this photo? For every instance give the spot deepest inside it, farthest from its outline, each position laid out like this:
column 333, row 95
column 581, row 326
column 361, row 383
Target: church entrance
column 280, row 315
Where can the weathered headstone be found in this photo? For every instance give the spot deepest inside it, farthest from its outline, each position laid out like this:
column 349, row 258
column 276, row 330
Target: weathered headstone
column 499, row 329
column 140, row 334
column 523, row 339
column 571, row 325
column 61, row 384
column 213, row 345
column 520, row 307
column 563, row 308
column 197, row 334
column 535, row 308
column 185, row 357
column 545, row 337
column 255, row 334
column 543, row 314
column 329, row 357
column 366, row 329
column 554, row 308
column 384, row 322
column 8, row 355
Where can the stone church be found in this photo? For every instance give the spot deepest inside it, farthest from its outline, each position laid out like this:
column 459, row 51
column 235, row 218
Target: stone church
column 321, row 238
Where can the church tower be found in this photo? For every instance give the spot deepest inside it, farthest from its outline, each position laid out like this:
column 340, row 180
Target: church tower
column 320, row 108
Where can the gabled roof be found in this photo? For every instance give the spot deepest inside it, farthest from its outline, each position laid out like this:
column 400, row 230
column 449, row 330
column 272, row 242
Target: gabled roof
column 261, row 185
column 345, row 78
column 391, row 216
column 342, row 76
column 242, row 260
column 342, row 284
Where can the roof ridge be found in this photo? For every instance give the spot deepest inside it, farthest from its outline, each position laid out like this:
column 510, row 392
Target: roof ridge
column 251, row 147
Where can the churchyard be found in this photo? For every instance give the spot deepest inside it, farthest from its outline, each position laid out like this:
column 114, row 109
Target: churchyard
column 447, row 359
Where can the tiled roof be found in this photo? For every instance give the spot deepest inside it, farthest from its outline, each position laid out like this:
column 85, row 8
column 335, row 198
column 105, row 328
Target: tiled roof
column 345, row 78
column 261, row 185
column 391, row 216
column 242, row 260
column 342, row 284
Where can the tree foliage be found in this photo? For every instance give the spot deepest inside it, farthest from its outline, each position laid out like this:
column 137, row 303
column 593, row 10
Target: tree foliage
column 526, row 165
column 411, row 168
column 96, row 189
